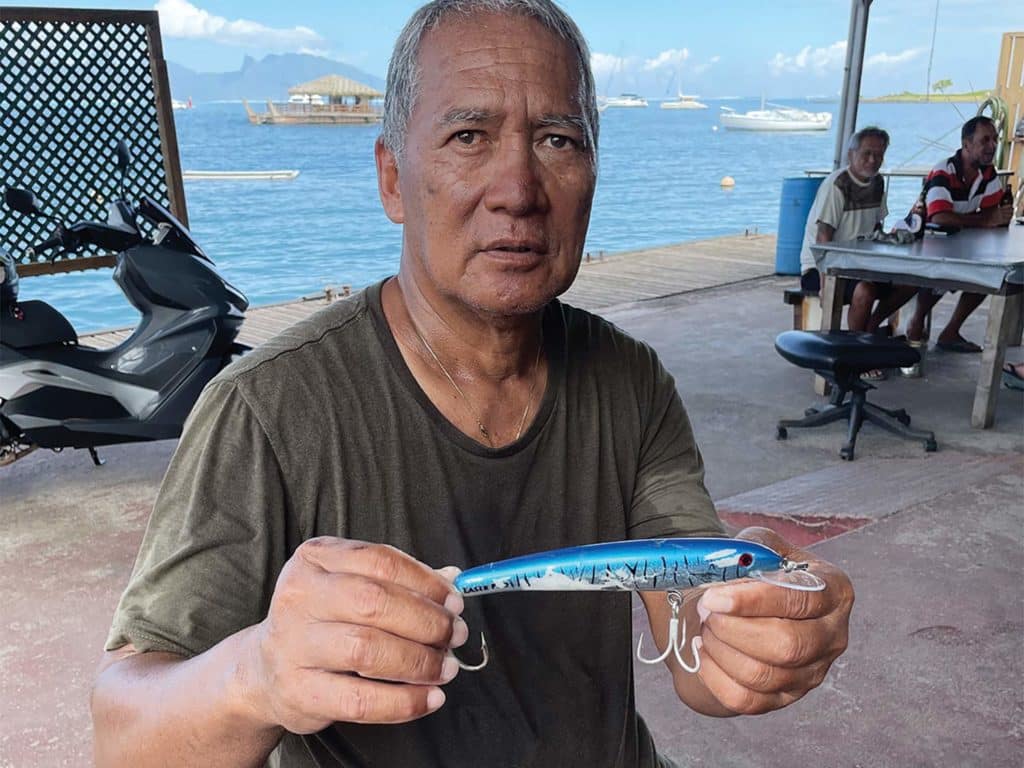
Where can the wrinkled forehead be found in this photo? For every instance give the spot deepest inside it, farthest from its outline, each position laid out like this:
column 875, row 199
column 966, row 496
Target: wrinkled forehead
column 497, row 53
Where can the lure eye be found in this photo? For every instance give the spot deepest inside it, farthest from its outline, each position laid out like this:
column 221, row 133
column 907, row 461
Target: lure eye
column 746, row 559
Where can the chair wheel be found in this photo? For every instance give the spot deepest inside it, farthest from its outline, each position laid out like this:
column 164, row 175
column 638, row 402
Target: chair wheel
column 846, row 452
column 781, row 433
column 931, row 446
column 810, row 411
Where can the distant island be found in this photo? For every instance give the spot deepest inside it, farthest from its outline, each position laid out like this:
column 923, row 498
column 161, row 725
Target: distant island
column 268, row 78
column 973, row 97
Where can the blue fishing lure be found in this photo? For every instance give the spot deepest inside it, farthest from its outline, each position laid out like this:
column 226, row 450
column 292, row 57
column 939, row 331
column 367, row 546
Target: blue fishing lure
column 640, row 565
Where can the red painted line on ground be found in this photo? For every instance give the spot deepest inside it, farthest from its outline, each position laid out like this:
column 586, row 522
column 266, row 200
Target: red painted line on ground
column 801, row 531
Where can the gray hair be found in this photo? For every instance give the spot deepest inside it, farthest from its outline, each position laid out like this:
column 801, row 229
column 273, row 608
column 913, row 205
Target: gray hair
column 871, row 132
column 404, row 70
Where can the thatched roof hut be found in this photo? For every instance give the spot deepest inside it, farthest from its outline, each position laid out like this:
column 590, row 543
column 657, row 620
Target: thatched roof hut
column 336, row 88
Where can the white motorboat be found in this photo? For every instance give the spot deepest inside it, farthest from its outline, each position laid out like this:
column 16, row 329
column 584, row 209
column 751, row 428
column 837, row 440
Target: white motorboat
column 683, row 101
column 176, row 104
column 628, row 100
column 778, row 118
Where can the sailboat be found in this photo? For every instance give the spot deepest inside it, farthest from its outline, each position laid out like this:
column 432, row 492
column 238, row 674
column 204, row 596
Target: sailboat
column 682, row 101
column 778, row 118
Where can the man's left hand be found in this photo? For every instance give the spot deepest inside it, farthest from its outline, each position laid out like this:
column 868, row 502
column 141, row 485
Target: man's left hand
column 764, row 646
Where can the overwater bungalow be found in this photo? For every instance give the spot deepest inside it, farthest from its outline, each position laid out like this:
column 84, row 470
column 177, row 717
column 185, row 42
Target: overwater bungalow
column 328, row 100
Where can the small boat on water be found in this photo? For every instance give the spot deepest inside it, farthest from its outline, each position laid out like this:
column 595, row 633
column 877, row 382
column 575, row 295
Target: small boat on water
column 283, row 175
column 178, row 104
column 626, row 100
column 683, row 101
column 778, row 118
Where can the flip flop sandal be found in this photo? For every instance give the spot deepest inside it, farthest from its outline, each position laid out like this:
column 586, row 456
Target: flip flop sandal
column 1010, row 378
column 960, row 345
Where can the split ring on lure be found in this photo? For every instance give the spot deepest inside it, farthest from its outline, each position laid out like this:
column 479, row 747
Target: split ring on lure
column 642, row 565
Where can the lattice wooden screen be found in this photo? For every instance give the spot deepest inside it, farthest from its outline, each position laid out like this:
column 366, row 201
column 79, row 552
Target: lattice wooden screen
column 72, row 84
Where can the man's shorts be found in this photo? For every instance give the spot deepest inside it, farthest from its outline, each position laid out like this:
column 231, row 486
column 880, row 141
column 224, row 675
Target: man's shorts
column 810, row 281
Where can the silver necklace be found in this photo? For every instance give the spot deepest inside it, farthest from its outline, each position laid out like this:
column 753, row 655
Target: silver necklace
column 468, row 403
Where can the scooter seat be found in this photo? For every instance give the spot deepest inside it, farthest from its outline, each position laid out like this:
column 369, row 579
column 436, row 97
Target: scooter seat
column 40, row 324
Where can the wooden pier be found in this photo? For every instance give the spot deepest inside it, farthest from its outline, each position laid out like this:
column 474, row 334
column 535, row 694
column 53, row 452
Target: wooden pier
column 603, row 282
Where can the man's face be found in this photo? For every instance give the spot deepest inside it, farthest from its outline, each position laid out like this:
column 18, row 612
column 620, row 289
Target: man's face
column 496, row 185
column 980, row 149
column 867, row 158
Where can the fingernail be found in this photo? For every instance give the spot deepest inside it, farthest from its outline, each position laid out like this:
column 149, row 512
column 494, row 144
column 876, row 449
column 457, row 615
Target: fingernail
column 702, row 611
column 449, row 669
column 716, row 601
column 435, row 699
column 460, row 633
column 454, row 603
column 450, row 572
column 698, row 643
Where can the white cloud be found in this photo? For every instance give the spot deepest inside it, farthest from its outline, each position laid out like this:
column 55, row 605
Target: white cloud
column 179, row 18
column 604, row 64
column 701, row 68
column 673, row 58
column 893, row 59
column 818, row 61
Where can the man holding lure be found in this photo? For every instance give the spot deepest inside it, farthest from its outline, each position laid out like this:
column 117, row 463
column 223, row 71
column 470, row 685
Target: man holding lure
column 285, row 597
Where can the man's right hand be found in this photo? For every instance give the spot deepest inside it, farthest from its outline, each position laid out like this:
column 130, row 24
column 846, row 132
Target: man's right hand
column 999, row 216
column 356, row 632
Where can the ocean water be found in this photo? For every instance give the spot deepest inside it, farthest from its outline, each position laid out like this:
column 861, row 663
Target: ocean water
column 658, row 183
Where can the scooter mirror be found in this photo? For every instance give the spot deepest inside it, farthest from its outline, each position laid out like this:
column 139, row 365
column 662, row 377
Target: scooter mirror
column 124, row 156
column 23, row 201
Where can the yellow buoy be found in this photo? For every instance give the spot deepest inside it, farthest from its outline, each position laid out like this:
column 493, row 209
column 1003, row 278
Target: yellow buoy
column 728, row 181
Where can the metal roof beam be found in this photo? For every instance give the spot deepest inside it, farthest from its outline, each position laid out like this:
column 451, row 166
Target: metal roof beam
column 850, row 99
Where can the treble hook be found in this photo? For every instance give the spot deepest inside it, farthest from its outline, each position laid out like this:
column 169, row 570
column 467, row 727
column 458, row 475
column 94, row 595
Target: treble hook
column 475, row 667
column 676, row 639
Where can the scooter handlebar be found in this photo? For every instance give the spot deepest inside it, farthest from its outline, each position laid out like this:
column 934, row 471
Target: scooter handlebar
column 57, row 238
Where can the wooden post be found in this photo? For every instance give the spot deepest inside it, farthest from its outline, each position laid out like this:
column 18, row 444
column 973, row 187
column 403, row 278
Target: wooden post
column 165, row 116
column 1010, row 88
column 832, row 289
column 1002, row 322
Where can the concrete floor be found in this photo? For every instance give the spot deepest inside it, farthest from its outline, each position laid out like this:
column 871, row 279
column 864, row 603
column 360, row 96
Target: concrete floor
column 935, row 669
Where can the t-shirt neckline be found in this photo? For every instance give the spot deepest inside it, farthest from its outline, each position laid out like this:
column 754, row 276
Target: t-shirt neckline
column 554, row 346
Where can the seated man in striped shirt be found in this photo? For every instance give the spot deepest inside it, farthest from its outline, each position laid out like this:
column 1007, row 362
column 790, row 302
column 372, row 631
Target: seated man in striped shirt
column 962, row 191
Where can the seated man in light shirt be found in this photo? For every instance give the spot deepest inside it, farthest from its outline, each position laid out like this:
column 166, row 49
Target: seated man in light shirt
column 850, row 203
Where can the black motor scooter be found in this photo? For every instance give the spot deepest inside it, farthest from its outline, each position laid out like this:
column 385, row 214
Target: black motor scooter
column 56, row 393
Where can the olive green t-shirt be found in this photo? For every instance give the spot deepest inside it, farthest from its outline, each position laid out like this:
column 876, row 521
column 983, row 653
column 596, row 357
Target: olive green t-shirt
column 324, row 431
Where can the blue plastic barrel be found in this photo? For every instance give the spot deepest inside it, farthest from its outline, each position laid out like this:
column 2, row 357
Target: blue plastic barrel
column 794, row 205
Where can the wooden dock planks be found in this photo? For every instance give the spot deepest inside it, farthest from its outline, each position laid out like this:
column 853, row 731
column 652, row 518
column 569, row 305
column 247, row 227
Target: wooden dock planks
column 604, row 282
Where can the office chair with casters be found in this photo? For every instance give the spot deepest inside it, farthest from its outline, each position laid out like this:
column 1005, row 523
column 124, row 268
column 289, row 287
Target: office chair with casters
column 840, row 357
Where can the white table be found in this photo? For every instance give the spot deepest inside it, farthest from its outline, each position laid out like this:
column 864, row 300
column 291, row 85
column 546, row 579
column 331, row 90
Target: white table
column 989, row 261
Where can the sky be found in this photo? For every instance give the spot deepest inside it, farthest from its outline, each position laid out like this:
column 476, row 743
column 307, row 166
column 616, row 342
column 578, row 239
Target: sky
column 787, row 48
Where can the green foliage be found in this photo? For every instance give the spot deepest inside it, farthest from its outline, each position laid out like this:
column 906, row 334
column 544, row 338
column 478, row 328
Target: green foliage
column 941, row 85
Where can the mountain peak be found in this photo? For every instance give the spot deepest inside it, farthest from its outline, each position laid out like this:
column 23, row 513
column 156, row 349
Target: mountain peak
column 266, row 78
